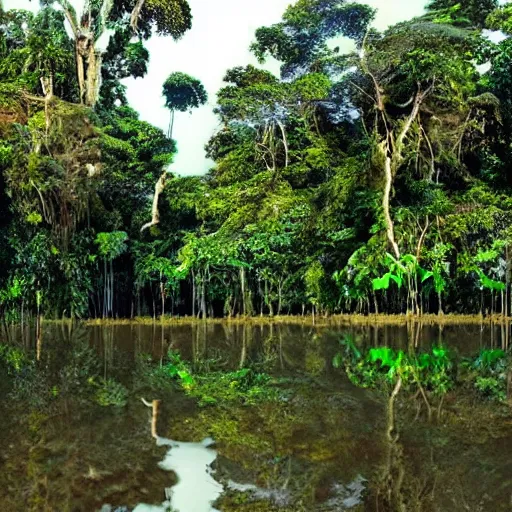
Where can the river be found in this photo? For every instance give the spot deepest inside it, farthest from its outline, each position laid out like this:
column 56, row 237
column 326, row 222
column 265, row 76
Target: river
column 71, row 441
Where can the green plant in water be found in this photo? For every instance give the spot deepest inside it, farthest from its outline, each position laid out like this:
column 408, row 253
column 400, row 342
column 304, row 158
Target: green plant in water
column 406, row 271
column 429, row 373
column 178, row 369
column 435, row 370
column 110, row 393
column 14, row 358
column 246, row 386
column 489, row 373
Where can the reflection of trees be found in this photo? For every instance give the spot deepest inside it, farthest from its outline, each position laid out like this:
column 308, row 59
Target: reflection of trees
column 397, row 488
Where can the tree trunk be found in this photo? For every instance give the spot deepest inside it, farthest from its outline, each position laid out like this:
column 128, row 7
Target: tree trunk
column 162, row 294
column 171, row 125
column 155, row 214
column 193, row 294
column 105, row 287
column 93, row 76
column 242, row 285
column 390, row 229
column 280, row 296
column 134, row 18
column 507, row 282
column 203, row 298
column 80, row 74
column 112, row 288
column 88, row 61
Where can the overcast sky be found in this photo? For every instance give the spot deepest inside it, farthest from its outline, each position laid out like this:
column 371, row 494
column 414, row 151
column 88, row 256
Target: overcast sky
column 221, row 33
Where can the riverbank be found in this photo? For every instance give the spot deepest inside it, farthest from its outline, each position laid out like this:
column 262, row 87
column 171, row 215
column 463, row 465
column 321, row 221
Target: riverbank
column 310, row 320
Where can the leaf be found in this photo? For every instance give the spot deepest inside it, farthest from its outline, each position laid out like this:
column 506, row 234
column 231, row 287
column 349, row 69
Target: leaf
column 385, row 355
column 381, row 283
column 425, row 274
column 398, row 280
column 337, row 360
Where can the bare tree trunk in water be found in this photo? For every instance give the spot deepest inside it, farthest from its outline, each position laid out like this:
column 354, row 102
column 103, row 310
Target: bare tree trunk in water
column 104, row 287
column 203, row 297
column 112, row 288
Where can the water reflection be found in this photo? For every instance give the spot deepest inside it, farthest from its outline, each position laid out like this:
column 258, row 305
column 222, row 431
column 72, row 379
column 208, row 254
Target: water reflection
column 325, row 445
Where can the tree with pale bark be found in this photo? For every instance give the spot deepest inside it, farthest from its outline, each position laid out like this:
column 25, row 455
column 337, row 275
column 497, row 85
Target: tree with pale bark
column 105, row 17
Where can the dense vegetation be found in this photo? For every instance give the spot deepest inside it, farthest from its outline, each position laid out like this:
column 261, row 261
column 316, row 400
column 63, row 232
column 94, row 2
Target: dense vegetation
column 375, row 180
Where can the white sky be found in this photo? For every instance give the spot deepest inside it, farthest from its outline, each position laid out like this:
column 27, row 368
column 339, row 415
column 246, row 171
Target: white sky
column 221, row 33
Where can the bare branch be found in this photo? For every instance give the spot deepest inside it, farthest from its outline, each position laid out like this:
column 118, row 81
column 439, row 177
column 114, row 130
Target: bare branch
column 134, row 18
column 155, row 214
column 285, row 142
column 70, row 14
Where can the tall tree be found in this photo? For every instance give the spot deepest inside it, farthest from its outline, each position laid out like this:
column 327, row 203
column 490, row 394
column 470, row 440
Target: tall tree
column 463, row 12
column 182, row 92
column 99, row 16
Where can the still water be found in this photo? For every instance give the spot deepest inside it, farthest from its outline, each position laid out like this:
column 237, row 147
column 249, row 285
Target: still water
column 321, row 445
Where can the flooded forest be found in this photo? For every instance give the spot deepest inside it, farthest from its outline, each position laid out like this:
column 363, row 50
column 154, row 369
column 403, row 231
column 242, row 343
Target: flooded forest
column 319, row 322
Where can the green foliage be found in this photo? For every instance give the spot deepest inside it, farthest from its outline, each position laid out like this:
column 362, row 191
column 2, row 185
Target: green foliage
column 109, row 392
column 111, row 245
column 469, row 12
column 433, row 371
column 246, row 386
column 489, row 373
column 14, row 359
column 183, row 92
column 291, row 212
column 300, row 39
column 176, row 368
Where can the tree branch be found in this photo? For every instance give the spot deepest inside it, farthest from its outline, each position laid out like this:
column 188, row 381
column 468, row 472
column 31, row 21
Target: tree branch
column 134, row 18
column 285, row 142
column 155, row 214
column 70, row 14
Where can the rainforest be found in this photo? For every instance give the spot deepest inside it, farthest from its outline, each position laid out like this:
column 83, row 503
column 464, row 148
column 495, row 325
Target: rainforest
column 321, row 322
column 373, row 181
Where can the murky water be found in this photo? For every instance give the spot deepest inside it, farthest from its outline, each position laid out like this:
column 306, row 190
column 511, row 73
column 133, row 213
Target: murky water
column 320, row 446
